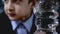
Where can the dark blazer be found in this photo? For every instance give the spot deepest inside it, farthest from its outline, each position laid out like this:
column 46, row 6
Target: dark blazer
column 6, row 28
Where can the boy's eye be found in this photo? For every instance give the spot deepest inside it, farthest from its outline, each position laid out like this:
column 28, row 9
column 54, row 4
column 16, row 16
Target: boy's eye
column 13, row 1
column 16, row 1
column 5, row 1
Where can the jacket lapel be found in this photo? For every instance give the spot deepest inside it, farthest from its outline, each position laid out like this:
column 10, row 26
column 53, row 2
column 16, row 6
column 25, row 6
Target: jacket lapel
column 33, row 28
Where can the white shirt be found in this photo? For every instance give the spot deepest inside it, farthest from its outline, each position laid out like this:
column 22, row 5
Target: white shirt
column 27, row 24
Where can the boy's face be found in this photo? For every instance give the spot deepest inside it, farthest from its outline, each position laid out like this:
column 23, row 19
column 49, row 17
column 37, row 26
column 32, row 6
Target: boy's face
column 17, row 9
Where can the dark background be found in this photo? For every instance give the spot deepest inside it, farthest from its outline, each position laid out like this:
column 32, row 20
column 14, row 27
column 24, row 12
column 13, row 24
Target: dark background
column 1, row 6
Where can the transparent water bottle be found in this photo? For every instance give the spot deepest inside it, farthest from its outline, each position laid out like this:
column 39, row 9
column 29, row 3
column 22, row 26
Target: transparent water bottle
column 46, row 20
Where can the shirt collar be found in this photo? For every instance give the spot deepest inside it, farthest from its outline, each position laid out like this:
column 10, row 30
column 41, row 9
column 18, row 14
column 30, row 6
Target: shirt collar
column 27, row 24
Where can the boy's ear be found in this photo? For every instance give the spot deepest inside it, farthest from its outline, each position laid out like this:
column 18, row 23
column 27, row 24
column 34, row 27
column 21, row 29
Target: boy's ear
column 34, row 2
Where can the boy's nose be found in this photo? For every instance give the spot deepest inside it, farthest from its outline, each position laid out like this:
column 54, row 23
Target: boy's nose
column 10, row 6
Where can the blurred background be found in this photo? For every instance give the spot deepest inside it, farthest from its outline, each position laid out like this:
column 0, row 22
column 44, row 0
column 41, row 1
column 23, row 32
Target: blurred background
column 1, row 6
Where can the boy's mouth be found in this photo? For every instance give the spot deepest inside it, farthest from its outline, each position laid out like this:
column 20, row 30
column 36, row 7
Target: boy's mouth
column 12, row 14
